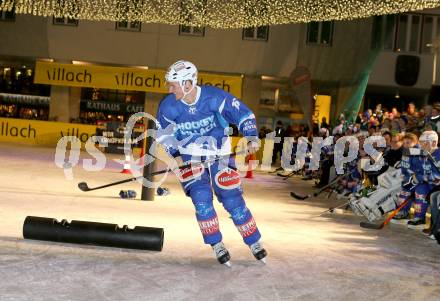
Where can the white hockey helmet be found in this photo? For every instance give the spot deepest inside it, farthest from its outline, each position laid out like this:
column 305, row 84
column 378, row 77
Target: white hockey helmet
column 181, row 71
column 429, row 136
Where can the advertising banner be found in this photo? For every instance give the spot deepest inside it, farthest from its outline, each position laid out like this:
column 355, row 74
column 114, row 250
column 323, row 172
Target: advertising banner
column 42, row 132
column 122, row 78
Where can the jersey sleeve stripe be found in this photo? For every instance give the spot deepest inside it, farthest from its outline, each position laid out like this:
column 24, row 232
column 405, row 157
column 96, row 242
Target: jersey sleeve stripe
column 222, row 106
column 169, row 120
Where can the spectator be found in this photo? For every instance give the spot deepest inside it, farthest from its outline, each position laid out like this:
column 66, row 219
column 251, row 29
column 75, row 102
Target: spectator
column 434, row 121
column 387, row 135
column 289, row 132
column 395, row 112
column 397, row 123
column 262, row 132
column 379, row 112
column 410, row 117
column 278, row 147
column 324, row 123
column 386, row 122
column 339, row 129
column 394, row 154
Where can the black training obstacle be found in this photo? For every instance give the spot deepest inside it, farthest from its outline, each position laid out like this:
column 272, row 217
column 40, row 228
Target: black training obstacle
column 91, row 233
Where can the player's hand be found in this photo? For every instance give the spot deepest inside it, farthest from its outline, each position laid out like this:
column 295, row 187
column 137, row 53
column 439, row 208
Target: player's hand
column 414, row 180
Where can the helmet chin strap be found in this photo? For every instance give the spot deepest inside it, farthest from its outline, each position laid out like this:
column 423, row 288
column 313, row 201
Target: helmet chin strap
column 182, row 86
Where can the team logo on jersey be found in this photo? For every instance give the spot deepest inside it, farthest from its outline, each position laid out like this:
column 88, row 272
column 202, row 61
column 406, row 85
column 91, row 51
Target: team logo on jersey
column 192, row 110
column 236, row 104
column 248, row 228
column 201, row 126
column 209, row 226
column 227, row 179
column 190, row 173
column 418, row 206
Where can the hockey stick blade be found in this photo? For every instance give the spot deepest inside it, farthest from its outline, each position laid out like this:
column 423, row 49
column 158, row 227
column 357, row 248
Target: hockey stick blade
column 316, row 193
column 288, row 176
column 276, row 170
column 283, row 176
column 332, row 209
column 298, row 197
column 368, row 225
column 83, row 186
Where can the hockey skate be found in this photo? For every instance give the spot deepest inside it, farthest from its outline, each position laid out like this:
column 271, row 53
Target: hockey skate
column 429, row 233
column 222, row 254
column 416, row 223
column 401, row 218
column 258, row 251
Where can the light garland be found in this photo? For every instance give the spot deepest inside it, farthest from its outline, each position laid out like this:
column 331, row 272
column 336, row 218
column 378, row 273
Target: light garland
column 215, row 13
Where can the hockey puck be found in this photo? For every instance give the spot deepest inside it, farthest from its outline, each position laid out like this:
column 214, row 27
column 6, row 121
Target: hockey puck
column 162, row 191
column 127, row 194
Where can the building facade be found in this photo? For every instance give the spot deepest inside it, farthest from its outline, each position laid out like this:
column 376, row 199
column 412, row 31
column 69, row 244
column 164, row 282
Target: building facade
column 335, row 53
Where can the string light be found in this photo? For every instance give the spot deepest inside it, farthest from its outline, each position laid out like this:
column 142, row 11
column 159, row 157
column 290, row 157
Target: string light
column 215, row 13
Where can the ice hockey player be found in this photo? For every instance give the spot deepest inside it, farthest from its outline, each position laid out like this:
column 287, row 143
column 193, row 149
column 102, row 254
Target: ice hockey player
column 426, row 181
column 326, row 160
column 373, row 204
column 434, row 229
column 198, row 114
column 351, row 183
column 410, row 166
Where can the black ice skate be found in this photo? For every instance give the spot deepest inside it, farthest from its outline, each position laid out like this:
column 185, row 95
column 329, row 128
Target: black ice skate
column 222, row 254
column 416, row 223
column 258, row 251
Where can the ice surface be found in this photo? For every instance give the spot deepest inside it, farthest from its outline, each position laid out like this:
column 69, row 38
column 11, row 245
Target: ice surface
column 310, row 258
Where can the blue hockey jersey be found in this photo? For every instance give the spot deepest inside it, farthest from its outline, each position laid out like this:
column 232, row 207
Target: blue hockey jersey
column 431, row 172
column 409, row 166
column 187, row 128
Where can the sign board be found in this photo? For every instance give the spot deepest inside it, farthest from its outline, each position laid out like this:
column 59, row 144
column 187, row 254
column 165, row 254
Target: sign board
column 122, row 78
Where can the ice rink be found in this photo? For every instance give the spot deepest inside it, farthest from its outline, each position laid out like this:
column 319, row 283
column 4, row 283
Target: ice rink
column 310, row 257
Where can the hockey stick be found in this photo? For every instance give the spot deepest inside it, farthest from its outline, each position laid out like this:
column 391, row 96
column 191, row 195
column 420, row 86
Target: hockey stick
column 319, row 191
column 295, row 172
column 436, row 164
column 369, row 225
column 419, row 152
column 84, row 187
column 333, row 208
column 285, row 177
column 276, row 170
column 289, row 175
